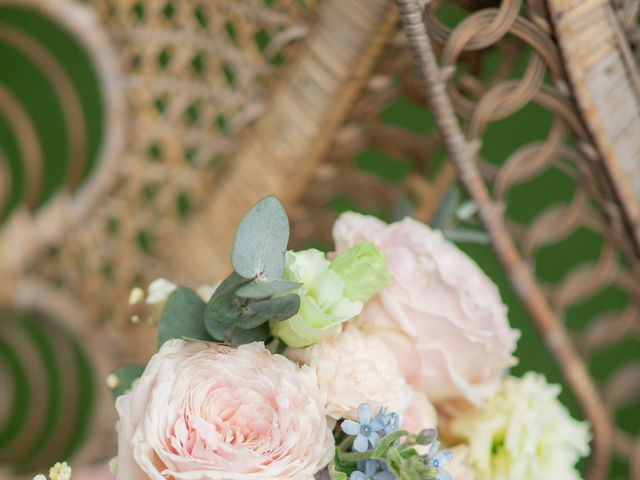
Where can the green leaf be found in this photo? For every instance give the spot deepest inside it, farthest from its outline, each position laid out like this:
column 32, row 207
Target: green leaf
column 258, row 334
column 387, row 442
column 334, row 473
column 228, row 333
column 258, row 312
column 446, row 211
column 182, row 316
column 121, row 379
column 345, row 467
column 261, row 289
column 224, row 306
column 219, row 331
column 261, row 241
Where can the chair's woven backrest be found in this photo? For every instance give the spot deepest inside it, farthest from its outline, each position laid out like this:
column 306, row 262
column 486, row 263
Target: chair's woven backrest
column 191, row 75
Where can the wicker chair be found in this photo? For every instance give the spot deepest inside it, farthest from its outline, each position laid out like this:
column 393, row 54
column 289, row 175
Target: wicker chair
column 206, row 128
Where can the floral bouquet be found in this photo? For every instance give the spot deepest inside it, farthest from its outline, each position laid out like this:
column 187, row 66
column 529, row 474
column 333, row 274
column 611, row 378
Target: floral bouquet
column 301, row 365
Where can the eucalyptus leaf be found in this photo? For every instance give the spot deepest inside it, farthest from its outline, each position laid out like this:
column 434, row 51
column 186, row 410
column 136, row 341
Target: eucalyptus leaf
column 218, row 330
column 466, row 235
column 228, row 333
column 261, row 289
column 258, row 334
column 258, row 312
column 261, row 241
column 446, row 212
column 121, row 379
column 224, row 306
column 182, row 316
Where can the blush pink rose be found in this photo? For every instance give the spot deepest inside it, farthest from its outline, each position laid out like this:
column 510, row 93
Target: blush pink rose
column 206, row 411
column 356, row 367
column 440, row 298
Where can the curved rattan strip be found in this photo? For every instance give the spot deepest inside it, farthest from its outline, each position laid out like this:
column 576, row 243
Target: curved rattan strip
column 28, row 142
column 464, row 155
column 278, row 155
column 5, row 182
column 27, row 353
column 67, row 97
column 52, row 223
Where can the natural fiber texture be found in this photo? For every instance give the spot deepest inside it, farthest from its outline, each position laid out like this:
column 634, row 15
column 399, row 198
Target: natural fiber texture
column 366, row 129
column 594, row 207
column 27, row 232
column 194, row 74
column 606, row 81
column 279, row 154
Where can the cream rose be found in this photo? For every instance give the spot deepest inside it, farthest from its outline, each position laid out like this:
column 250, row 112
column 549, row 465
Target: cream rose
column 206, row 411
column 355, row 367
column 441, row 299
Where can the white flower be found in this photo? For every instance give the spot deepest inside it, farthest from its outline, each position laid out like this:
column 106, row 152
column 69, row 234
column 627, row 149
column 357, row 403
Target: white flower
column 323, row 306
column 136, row 296
column 60, row 471
column 159, row 290
column 524, row 433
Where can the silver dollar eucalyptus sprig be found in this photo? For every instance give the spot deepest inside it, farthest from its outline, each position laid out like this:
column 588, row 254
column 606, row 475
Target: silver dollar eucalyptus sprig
column 255, row 292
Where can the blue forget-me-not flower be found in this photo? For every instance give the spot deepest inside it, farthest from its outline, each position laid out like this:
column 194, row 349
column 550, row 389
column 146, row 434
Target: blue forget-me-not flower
column 371, row 470
column 438, row 459
column 391, row 421
column 365, row 429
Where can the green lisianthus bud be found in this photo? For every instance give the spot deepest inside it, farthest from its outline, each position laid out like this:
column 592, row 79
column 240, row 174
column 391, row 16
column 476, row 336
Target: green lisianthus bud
column 362, row 268
column 323, row 305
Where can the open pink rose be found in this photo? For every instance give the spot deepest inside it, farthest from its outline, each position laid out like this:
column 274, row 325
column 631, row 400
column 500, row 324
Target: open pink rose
column 206, row 411
column 442, row 300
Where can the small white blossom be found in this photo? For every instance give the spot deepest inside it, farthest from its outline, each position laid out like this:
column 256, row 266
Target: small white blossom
column 136, row 296
column 60, row 471
column 112, row 381
column 159, row 290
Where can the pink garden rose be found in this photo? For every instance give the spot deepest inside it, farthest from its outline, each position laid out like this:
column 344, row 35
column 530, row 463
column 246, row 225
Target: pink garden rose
column 207, row 411
column 442, row 300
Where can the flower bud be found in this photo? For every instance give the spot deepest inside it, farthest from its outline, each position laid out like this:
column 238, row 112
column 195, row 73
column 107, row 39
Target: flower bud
column 362, row 268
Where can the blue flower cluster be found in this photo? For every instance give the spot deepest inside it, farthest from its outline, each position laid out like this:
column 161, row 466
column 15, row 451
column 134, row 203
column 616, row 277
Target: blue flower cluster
column 369, row 430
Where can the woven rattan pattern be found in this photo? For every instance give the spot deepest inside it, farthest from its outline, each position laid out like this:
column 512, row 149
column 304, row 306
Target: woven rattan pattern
column 196, row 73
column 468, row 109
